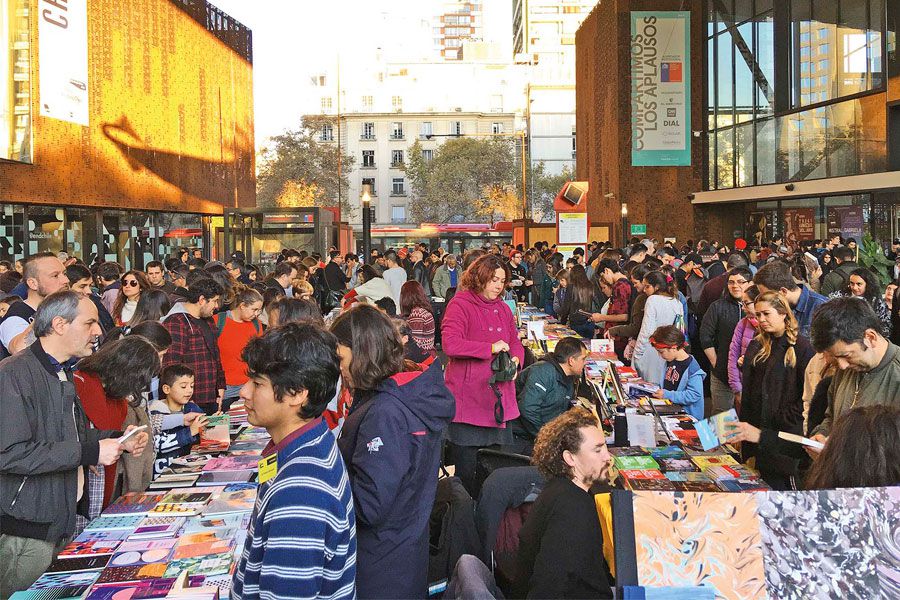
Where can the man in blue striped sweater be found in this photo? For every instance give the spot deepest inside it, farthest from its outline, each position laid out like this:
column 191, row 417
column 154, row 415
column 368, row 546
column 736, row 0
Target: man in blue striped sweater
column 302, row 537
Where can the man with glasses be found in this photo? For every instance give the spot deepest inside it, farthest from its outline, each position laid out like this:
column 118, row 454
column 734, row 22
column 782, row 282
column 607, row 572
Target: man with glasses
column 519, row 277
column 716, row 332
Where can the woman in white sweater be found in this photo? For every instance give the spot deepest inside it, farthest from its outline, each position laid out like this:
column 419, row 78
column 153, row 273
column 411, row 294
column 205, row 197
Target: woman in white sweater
column 373, row 287
column 663, row 308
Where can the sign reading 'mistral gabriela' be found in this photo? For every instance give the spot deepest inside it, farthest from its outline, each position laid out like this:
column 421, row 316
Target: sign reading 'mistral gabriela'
column 660, row 88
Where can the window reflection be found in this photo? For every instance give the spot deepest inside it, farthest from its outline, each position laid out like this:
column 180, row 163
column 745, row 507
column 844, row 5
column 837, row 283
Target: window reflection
column 15, row 80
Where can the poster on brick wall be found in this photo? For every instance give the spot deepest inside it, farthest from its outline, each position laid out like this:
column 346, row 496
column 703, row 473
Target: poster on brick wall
column 660, row 88
column 63, row 60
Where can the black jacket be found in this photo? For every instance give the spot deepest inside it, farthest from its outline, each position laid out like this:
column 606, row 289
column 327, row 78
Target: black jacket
column 335, row 278
column 569, row 314
column 44, row 440
column 420, row 273
column 717, row 329
column 773, row 401
column 561, row 546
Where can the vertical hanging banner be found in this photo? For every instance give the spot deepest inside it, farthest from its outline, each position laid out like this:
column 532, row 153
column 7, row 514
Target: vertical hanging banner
column 63, row 58
column 660, row 88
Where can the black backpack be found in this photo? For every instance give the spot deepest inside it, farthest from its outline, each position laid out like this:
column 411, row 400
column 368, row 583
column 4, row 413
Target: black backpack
column 452, row 531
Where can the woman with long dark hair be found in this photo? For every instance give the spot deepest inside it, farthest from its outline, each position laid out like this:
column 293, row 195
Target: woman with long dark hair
column 391, row 444
column 862, row 451
column 477, row 326
column 662, row 307
column 134, row 283
column 416, row 308
column 235, row 328
column 582, row 300
column 153, row 305
column 111, row 384
column 772, row 396
column 862, row 283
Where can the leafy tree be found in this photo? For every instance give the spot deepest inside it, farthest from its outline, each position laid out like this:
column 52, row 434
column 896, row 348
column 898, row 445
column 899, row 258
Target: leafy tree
column 297, row 169
column 467, row 180
column 543, row 190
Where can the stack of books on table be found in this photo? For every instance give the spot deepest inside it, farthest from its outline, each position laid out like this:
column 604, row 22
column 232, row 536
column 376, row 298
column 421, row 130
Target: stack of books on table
column 672, row 468
column 177, row 542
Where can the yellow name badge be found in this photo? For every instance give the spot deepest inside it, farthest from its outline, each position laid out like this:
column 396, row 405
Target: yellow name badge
column 268, row 468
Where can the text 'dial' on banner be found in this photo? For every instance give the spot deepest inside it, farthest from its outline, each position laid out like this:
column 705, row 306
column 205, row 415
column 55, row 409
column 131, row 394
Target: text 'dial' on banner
column 660, row 88
column 63, row 58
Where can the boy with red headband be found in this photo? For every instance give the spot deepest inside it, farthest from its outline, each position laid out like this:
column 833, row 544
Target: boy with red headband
column 683, row 379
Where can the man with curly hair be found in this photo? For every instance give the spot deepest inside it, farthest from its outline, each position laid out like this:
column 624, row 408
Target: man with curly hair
column 561, row 543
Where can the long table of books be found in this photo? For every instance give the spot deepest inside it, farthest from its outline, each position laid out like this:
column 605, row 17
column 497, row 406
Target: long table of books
column 179, row 539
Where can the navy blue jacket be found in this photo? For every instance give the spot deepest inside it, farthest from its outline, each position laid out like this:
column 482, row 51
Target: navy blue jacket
column 391, row 443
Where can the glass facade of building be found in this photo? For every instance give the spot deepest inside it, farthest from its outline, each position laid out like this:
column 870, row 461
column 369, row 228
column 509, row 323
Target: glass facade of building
column 795, row 90
column 15, row 81
column 131, row 238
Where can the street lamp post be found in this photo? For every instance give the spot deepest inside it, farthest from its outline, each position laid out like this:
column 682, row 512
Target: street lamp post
column 625, row 224
column 367, row 224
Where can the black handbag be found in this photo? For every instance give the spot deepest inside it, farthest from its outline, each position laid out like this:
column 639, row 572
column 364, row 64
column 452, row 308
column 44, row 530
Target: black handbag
column 503, row 368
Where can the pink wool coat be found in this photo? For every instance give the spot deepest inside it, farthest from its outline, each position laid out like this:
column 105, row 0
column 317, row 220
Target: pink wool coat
column 469, row 328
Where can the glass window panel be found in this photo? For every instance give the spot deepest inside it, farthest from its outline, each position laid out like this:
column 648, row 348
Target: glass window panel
column 178, row 231
column 765, row 60
column 82, row 234
column 743, row 76
column 45, row 229
column 763, row 221
column 766, row 152
column 725, row 158
column 15, row 80
column 711, row 163
column 801, row 34
column 12, row 232
column 743, row 10
column 724, row 85
column 711, row 75
column 847, row 215
column 744, row 155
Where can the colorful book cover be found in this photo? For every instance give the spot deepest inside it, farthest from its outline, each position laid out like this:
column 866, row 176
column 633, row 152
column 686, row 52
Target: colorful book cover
column 666, row 452
column 58, row 580
column 132, row 573
column 68, row 592
column 232, row 463
column 133, row 504
column 731, row 472
column 204, row 543
column 239, row 486
column 642, row 474
column 688, row 476
column 175, row 480
column 695, row 486
column 176, row 510
column 187, row 497
column 204, row 523
column 136, row 590
column 78, row 563
column 705, row 462
column 90, row 548
column 677, row 464
column 228, row 502
column 226, row 476
column 216, row 436
column 114, row 522
column 712, row 431
column 629, row 451
column 103, row 535
column 223, row 582
column 139, row 558
column 742, row 485
column 158, row 527
column 216, row 564
column 630, row 463
column 659, row 485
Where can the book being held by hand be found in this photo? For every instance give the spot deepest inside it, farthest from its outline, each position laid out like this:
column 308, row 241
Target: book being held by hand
column 712, row 431
column 799, row 439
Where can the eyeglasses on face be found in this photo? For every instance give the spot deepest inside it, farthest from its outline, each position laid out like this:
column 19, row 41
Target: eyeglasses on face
column 131, row 282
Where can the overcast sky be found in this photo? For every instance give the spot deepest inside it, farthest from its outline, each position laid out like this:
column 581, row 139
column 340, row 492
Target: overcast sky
column 294, row 38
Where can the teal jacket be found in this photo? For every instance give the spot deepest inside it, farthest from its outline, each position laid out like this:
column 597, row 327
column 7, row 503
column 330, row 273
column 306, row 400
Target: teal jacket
column 543, row 392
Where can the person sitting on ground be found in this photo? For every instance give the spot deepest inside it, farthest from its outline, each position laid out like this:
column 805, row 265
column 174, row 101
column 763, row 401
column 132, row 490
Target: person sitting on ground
column 862, row 451
column 177, row 422
column 547, row 388
column 561, row 543
column 682, row 382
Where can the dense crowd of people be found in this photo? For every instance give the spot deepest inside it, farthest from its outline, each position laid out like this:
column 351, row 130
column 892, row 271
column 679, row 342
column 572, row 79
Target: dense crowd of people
column 420, row 366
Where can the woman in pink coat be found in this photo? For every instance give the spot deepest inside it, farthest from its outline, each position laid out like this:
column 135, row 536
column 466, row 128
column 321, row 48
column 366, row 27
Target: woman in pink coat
column 476, row 326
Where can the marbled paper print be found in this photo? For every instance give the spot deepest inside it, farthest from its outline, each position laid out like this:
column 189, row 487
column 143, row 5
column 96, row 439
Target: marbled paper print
column 693, row 539
column 820, row 544
column 885, row 504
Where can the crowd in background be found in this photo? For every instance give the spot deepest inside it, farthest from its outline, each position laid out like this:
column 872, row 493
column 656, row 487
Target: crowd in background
column 421, row 365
